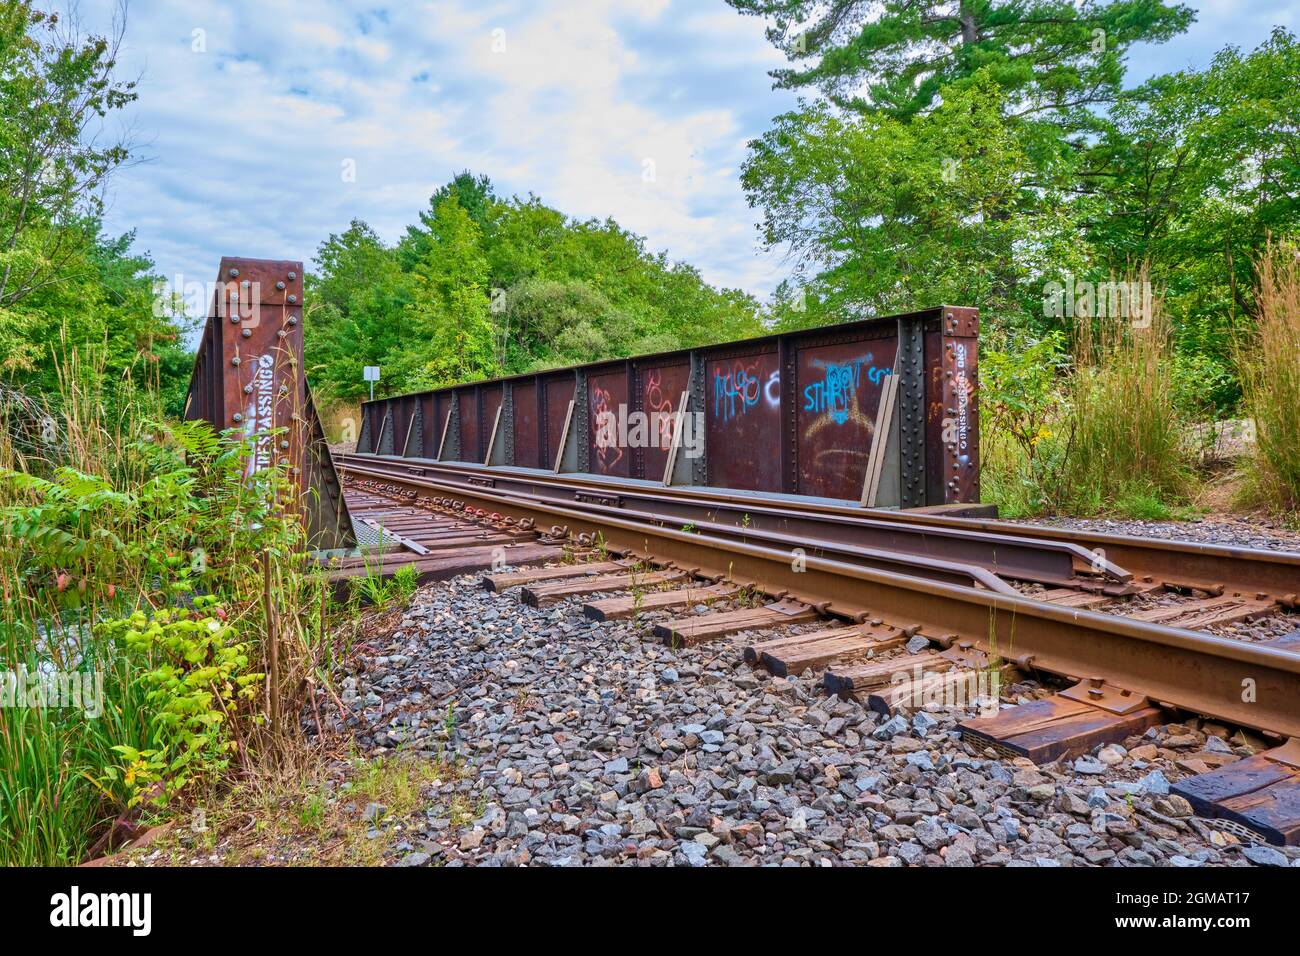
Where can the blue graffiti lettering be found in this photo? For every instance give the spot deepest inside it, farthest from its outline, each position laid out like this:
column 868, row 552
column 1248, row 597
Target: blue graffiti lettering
column 834, row 394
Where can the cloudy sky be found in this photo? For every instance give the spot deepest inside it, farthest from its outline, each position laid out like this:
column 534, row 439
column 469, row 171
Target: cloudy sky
column 265, row 125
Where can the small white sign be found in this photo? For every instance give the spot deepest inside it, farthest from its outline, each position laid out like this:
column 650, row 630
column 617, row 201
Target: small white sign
column 371, row 373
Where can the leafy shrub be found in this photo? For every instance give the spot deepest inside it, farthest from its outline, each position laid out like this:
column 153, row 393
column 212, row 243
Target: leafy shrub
column 1022, row 405
column 198, row 677
column 118, row 545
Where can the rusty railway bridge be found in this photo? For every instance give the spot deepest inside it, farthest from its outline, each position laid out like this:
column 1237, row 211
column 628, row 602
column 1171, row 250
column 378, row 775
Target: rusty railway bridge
column 834, row 474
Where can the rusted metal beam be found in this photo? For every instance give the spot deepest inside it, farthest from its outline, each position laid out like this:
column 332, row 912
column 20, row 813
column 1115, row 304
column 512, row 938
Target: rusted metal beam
column 794, row 412
column 927, row 567
column 248, row 376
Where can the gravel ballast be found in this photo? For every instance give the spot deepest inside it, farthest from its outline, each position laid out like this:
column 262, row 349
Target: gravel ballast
column 589, row 744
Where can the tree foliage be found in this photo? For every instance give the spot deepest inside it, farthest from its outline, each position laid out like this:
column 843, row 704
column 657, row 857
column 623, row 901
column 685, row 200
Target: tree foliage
column 64, row 284
column 882, row 215
column 1195, row 172
column 482, row 286
column 982, row 151
column 897, row 56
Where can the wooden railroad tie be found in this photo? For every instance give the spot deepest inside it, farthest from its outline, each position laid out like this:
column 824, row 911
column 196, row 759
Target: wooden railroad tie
column 959, row 686
column 1065, row 725
column 503, row 582
column 442, row 567
column 1207, row 612
column 544, row 595
column 857, row 680
column 1070, row 597
column 789, row 656
column 1255, row 797
column 618, row 608
column 687, row 631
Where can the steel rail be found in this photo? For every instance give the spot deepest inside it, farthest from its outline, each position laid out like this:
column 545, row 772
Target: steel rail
column 1016, row 558
column 1206, row 567
column 1246, row 684
column 934, row 569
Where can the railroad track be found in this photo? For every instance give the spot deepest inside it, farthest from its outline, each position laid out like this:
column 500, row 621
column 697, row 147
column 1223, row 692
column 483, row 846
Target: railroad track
column 803, row 577
column 1013, row 551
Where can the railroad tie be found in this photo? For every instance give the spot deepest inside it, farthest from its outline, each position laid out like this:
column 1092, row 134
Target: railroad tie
column 1207, row 612
column 1070, row 597
column 687, row 631
column 790, row 656
column 618, row 608
column 857, row 680
column 1063, row 725
column 1255, row 797
column 502, row 582
column 544, row 595
column 441, row 567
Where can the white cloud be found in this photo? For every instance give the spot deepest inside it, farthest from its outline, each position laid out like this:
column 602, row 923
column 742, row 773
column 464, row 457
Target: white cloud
column 565, row 99
column 245, row 141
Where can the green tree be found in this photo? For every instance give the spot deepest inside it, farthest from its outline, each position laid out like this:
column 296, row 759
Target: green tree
column 355, row 296
column 896, row 56
column 475, row 196
column 64, row 285
column 55, row 88
column 1195, row 172
column 449, row 317
column 882, row 215
column 515, row 287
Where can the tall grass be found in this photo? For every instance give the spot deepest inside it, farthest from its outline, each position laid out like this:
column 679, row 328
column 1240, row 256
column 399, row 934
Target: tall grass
column 115, row 512
column 1269, row 364
column 1128, row 438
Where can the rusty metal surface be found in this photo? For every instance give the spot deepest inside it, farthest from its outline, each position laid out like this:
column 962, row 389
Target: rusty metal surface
column 492, row 396
column 444, row 403
column 402, row 417
column 1173, row 667
column 248, row 377
column 1206, row 567
column 430, row 426
column 607, row 395
column 930, row 568
column 743, row 421
column 1015, row 558
column 838, row 388
column 470, row 433
column 952, row 435
column 960, row 361
column 527, row 425
column 329, row 526
column 373, row 416
column 779, row 413
column 559, row 391
column 659, row 391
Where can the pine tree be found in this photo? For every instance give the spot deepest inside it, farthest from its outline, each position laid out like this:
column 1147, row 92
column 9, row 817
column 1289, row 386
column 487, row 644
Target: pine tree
column 894, row 56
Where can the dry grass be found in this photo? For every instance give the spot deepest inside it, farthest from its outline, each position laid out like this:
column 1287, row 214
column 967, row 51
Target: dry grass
column 312, row 813
column 341, row 422
column 1129, row 440
column 1269, row 363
